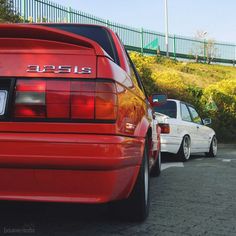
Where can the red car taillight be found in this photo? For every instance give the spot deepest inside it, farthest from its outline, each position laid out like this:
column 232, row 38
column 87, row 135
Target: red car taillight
column 65, row 99
column 83, row 100
column 30, row 99
column 106, row 101
column 165, row 128
column 58, row 99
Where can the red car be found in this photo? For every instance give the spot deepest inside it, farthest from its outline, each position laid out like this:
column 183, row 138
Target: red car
column 75, row 122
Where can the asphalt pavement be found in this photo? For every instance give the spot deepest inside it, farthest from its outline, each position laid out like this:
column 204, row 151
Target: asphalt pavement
column 193, row 198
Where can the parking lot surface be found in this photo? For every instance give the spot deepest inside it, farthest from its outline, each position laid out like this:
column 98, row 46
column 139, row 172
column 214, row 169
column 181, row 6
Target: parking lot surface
column 193, row 198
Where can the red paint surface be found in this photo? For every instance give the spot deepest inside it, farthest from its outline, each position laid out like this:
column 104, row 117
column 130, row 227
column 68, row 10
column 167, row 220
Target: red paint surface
column 70, row 162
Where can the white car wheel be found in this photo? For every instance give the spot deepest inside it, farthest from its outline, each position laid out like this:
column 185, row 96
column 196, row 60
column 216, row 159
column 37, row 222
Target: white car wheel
column 185, row 149
column 213, row 148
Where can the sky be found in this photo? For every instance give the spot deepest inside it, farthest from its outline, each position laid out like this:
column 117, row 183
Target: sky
column 186, row 17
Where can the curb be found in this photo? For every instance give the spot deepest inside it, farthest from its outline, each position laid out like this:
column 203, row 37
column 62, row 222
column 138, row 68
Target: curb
column 227, row 145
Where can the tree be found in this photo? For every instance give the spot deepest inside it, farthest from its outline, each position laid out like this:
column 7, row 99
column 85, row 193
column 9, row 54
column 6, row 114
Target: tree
column 7, row 12
column 203, row 48
column 211, row 50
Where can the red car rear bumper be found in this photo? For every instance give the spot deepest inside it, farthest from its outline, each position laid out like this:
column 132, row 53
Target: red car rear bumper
column 68, row 167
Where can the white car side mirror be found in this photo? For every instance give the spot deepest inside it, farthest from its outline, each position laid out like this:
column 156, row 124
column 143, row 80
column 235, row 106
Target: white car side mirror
column 207, row 121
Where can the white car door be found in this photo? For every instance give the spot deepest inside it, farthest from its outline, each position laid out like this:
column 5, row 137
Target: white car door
column 187, row 126
column 202, row 134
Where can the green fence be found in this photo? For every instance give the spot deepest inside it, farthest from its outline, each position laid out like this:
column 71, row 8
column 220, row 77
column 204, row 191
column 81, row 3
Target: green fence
column 140, row 40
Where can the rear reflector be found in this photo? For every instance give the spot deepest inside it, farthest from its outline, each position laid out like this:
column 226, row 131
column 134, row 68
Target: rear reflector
column 65, row 99
column 165, row 128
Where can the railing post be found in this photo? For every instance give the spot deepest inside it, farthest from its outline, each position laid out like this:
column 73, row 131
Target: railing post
column 141, row 39
column 234, row 56
column 108, row 23
column 174, row 47
column 69, row 15
column 23, row 10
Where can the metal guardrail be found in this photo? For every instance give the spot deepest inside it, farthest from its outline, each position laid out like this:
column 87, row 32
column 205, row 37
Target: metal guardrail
column 140, row 40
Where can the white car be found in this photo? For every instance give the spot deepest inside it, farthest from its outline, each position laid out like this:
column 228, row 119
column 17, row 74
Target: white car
column 183, row 132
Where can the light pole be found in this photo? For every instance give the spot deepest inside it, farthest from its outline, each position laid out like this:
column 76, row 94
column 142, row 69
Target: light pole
column 166, row 28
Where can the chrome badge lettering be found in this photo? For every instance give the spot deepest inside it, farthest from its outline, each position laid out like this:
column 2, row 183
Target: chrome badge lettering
column 63, row 69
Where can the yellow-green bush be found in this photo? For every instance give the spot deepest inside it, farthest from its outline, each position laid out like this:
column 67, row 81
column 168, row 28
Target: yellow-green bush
column 143, row 67
column 210, row 88
column 171, row 83
column 223, row 94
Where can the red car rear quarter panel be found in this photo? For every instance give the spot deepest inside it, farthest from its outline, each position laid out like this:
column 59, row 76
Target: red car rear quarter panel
column 132, row 114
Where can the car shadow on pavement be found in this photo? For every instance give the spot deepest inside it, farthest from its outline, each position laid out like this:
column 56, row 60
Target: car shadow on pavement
column 51, row 218
column 166, row 158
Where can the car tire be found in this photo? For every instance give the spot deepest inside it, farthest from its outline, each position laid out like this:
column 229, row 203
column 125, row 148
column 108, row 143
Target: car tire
column 185, row 149
column 213, row 148
column 136, row 207
column 156, row 169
